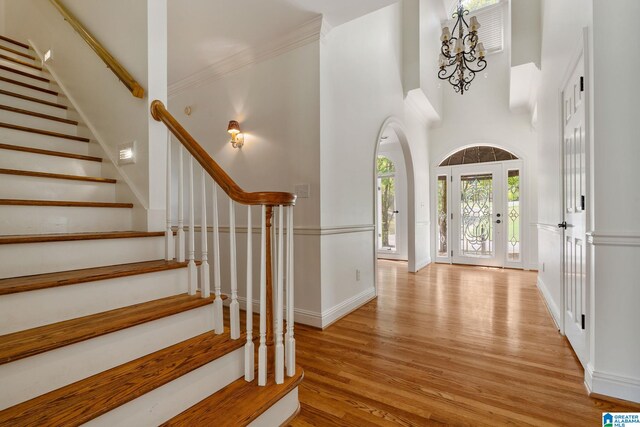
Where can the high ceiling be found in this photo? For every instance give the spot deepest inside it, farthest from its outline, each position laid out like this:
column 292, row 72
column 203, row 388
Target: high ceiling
column 204, row 32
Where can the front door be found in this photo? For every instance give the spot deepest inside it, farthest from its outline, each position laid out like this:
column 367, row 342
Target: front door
column 574, row 177
column 478, row 215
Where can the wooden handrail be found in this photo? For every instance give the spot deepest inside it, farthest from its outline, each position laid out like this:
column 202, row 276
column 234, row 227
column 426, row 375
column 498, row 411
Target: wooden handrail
column 159, row 113
column 122, row 74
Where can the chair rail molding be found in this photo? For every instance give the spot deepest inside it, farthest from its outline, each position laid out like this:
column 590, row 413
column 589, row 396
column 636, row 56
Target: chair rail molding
column 609, row 238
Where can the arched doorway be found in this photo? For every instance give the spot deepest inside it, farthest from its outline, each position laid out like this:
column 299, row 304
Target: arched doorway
column 393, row 167
column 480, row 208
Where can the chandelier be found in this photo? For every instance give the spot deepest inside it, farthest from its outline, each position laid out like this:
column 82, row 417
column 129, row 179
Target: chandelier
column 461, row 57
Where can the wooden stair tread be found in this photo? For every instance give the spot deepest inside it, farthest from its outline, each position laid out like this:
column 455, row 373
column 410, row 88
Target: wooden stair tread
column 57, row 176
column 17, row 43
column 237, row 404
column 69, row 204
column 39, row 115
column 65, row 237
column 28, row 86
column 49, row 152
column 32, row 99
column 18, row 61
column 19, row 345
column 17, row 52
column 22, row 73
column 44, row 132
column 74, row 277
column 89, row 398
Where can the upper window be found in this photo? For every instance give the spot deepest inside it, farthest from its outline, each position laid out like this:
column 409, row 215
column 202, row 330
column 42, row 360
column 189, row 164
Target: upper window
column 490, row 14
column 481, row 154
column 472, row 5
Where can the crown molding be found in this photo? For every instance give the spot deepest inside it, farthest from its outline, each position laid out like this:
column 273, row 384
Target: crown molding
column 309, row 32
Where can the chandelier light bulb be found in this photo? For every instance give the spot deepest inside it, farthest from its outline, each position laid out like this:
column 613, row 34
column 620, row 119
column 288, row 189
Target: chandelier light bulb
column 459, row 46
column 481, row 51
column 474, row 25
column 446, row 34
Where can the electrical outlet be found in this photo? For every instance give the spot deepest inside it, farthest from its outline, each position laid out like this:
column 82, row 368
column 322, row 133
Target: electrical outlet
column 357, row 275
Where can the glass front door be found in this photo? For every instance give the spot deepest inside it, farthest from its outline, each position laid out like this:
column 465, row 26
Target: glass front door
column 479, row 214
column 478, row 217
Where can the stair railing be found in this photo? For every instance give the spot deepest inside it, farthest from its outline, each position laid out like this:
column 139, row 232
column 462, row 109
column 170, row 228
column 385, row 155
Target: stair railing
column 276, row 350
column 112, row 63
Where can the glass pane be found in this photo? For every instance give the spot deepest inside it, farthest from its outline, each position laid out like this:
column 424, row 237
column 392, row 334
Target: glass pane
column 476, row 210
column 442, row 216
column 386, row 187
column 513, row 215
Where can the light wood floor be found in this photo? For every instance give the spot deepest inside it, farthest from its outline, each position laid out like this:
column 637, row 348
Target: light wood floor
column 451, row 345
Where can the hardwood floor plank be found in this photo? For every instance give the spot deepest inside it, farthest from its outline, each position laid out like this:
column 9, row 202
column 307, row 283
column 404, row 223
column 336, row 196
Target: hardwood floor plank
column 450, row 345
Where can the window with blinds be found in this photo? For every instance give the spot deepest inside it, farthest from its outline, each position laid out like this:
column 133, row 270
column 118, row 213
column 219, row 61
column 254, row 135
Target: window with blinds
column 491, row 31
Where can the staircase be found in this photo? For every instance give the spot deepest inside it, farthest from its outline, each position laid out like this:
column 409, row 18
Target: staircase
column 96, row 326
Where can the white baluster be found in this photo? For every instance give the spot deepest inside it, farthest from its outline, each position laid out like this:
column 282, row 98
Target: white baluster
column 279, row 302
column 289, row 341
column 193, row 273
column 217, row 304
column 262, row 349
column 168, row 235
column 234, row 308
column 249, row 363
column 205, row 281
column 181, row 242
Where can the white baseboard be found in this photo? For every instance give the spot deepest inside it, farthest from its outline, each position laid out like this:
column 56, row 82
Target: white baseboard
column 612, row 385
column 422, row 264
column 347, row 306
column 327, row 317
column 551, row 305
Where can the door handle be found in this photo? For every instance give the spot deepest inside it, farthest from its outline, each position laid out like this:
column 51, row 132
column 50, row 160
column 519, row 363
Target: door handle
column 563, row 224
column 395, row 212
column 498, row 222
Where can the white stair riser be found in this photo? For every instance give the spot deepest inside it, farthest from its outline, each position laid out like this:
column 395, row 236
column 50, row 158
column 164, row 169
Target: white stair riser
column 163, row 403
column 21, row 50
column 10, row 159
column 279, row 412
column 26, row 79
column 24, row 259
column 30, row 187
column 32, row 106
column 33, row 376
column 29, row 92
column 24, row 68
column 37, row 122
column 82, row 299
column 15, row 220
column 26, row 139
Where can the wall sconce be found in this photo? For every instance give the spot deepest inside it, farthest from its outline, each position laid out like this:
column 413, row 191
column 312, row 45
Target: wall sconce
column 237, row 137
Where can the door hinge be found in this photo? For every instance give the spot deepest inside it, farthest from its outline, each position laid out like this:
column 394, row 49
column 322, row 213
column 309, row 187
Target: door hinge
column 451, row 215
column 451, row 178
column 451, row 253
column 581, row 84
column 583, row 201
column 584, row 321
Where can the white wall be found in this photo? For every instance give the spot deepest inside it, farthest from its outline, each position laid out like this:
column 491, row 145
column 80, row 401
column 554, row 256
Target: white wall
column 112, row 114
column 615, row 352
column 483, row 116
column 3, row 18
column 361, row 87
column 277, row 104
column 612, row 321
column 526, row 31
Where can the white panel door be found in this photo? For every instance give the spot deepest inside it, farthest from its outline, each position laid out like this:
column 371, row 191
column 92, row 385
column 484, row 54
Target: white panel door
column 477, row 215
column 574, row 180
